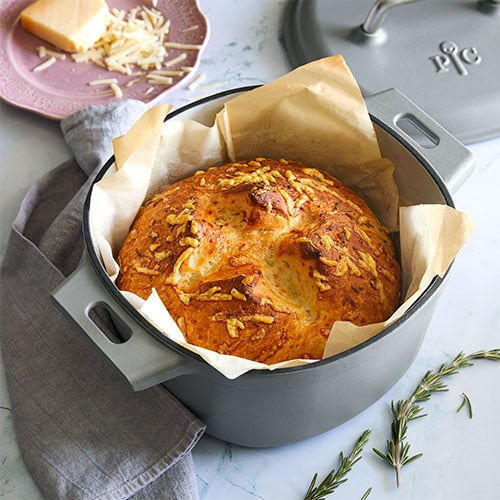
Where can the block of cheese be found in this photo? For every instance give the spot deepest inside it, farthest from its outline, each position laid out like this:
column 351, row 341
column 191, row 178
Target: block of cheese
column 71, row 25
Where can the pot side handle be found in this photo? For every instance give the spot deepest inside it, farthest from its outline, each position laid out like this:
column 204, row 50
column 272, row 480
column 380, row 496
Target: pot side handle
column 428, row 140
column 142, row 359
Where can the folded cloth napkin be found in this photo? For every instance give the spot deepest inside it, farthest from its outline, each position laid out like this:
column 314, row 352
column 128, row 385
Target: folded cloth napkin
column 82, row 431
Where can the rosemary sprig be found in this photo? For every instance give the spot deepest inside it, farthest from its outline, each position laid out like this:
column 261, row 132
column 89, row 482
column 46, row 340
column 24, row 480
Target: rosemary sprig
column 398, row 449
column 338, row 477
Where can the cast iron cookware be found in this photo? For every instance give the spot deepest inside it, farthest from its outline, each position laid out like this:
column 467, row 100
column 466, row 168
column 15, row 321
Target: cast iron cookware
column 269, row 408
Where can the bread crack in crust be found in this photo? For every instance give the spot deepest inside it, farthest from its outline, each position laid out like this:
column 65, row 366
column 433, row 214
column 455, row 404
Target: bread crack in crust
column 259, row 258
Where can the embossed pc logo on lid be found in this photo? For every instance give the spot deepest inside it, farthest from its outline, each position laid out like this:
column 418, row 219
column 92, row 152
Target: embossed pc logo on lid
column 453, row 57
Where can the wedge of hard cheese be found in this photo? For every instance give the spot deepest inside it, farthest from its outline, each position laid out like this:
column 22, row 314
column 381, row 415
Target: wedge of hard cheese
column 71, row 25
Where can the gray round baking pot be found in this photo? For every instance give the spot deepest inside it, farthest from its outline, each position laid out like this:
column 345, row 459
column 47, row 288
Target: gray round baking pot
column 271, row 408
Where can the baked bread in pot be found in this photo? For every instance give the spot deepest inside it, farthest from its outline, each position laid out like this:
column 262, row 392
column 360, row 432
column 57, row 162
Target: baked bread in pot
column 259, row 258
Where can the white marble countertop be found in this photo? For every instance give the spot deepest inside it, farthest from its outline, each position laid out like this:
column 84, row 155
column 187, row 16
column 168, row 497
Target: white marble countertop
column 461, row 456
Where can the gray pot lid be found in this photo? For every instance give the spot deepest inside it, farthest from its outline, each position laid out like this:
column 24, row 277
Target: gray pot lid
column 442, row 54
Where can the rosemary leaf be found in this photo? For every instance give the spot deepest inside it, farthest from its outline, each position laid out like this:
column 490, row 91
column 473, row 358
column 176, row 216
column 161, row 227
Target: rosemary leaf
column 335, row 478
column 397, row 449
column 367, row 493
column 465, row 400
column 385, row 457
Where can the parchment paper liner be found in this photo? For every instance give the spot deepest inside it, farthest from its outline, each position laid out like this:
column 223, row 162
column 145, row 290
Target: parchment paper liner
column 315, row 114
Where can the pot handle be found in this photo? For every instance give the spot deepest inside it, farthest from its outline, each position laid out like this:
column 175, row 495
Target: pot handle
column 142, row 359
column 428, row 140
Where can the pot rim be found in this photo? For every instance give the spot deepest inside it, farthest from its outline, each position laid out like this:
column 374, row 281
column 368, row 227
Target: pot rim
column 151, row 329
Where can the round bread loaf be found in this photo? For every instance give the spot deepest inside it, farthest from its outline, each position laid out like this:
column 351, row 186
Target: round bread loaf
column 259, row 258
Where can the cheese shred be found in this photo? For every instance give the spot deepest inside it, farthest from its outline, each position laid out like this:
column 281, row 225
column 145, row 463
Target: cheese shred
column 46, row 64
column 116, row 90
column 44, row 52
column 105, row 81
column 195, row 83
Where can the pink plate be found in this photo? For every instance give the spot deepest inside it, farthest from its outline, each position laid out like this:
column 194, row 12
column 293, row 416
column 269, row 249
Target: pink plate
column 63, row 88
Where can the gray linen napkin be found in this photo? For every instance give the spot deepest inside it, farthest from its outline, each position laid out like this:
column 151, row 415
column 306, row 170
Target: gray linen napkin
column 82, row 431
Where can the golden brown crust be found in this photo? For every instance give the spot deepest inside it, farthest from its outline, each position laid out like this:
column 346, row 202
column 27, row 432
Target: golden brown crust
column 259, row 258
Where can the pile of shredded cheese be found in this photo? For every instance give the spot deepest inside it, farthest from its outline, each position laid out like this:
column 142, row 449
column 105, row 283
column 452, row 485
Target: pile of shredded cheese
column 133, row 39
column 135, row 44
